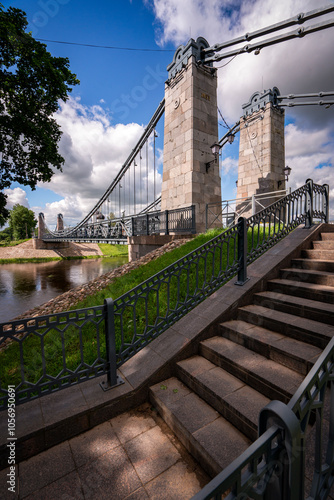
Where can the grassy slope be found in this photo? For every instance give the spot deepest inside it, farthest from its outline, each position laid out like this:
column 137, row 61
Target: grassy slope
column 10, row 358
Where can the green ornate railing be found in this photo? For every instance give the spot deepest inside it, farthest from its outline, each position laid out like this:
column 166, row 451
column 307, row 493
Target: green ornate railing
column 48, row 353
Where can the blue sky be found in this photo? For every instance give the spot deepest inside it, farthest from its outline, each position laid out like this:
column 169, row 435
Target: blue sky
column 120, row 89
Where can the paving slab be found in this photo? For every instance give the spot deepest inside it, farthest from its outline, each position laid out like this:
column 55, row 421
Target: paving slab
column 150, row 463
column 66, row 488
column 131, row 424
column 45, row 468
column 110, row 474
column 151, row 453
column 93, row 443
column 179, row 480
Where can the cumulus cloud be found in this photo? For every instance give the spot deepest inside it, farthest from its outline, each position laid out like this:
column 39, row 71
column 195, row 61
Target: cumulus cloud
column 94, row 151
column 309, row 154
column 16, row 196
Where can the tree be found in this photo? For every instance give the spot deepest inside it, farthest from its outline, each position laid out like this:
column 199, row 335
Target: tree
column 22, row 222
column 4, row 213
column 31, row 84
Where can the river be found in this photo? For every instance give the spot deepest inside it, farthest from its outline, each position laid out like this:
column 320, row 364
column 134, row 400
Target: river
column 25, row 286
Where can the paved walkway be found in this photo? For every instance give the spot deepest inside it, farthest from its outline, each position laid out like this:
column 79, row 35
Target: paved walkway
column 133, row 456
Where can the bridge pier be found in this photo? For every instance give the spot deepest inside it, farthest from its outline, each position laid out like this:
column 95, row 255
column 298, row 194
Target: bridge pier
column 138, row 246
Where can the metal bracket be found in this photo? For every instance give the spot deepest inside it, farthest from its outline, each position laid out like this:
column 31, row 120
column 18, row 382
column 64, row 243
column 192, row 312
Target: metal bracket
column 106, row 387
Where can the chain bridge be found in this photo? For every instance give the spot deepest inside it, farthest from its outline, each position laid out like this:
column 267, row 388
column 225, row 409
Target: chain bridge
column 130, row 209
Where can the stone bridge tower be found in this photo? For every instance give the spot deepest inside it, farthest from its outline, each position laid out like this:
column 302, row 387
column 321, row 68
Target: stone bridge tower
column 60, row 222
column 191, row 127
column 261, row 149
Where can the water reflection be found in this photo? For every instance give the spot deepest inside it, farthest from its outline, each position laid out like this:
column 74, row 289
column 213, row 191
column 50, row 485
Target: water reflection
column 24, row 286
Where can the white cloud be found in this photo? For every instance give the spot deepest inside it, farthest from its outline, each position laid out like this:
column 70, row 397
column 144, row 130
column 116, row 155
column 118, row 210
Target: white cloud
column 229, row 165
column 94, row 151
column 16, row 196
column 310, row 155
column 297, row 66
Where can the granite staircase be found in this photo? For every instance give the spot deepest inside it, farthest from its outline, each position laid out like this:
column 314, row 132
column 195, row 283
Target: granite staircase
column 213, row 402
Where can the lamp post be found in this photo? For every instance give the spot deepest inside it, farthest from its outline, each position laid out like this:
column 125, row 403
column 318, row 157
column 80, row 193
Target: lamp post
column 287, row 172
column 215, row 148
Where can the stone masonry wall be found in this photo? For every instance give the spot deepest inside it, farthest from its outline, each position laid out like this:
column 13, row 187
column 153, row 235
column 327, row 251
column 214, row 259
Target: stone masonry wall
column 191, row 127
column 261, row 153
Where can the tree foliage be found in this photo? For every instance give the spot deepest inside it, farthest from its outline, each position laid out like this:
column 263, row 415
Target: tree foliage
column 22, row 222
column 4, row 213
column 31, row 84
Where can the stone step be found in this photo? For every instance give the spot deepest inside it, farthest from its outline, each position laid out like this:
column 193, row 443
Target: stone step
column 318, row 254
column 299, row 306
column 311, row 291
column 306, row 330
column 327, row 236
column 232, row 398
column 323, row 245
column 211, row 439
column 308, row 275
column 317, row 265
column 264, row 375
column 290, row 352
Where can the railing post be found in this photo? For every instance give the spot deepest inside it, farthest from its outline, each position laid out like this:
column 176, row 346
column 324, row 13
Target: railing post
column 166, row 228
column 133, row 226
column 309, row 204
column 242, row 251
column 287, row 482
column 325, row 203
column 147, row 224
column 112, row 378
column 253, row 205
column 193, row 216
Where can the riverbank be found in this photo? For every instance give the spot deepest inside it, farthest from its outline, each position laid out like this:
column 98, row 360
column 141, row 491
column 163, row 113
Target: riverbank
column 68, row 299
column 25, row 251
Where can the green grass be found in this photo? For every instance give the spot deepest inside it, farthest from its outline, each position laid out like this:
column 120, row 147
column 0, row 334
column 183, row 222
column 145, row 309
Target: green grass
column 113, row 250
column 33, row 260
column 7, row 243
column 163, row 298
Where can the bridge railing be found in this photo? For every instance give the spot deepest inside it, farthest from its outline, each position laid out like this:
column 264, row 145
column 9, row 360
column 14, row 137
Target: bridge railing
column 44, row 354
column 180, row 220
column 228, row 212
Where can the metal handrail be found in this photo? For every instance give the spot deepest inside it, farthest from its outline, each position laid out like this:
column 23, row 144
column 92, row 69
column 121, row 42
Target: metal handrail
column 228, row 208
column 150, row 308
